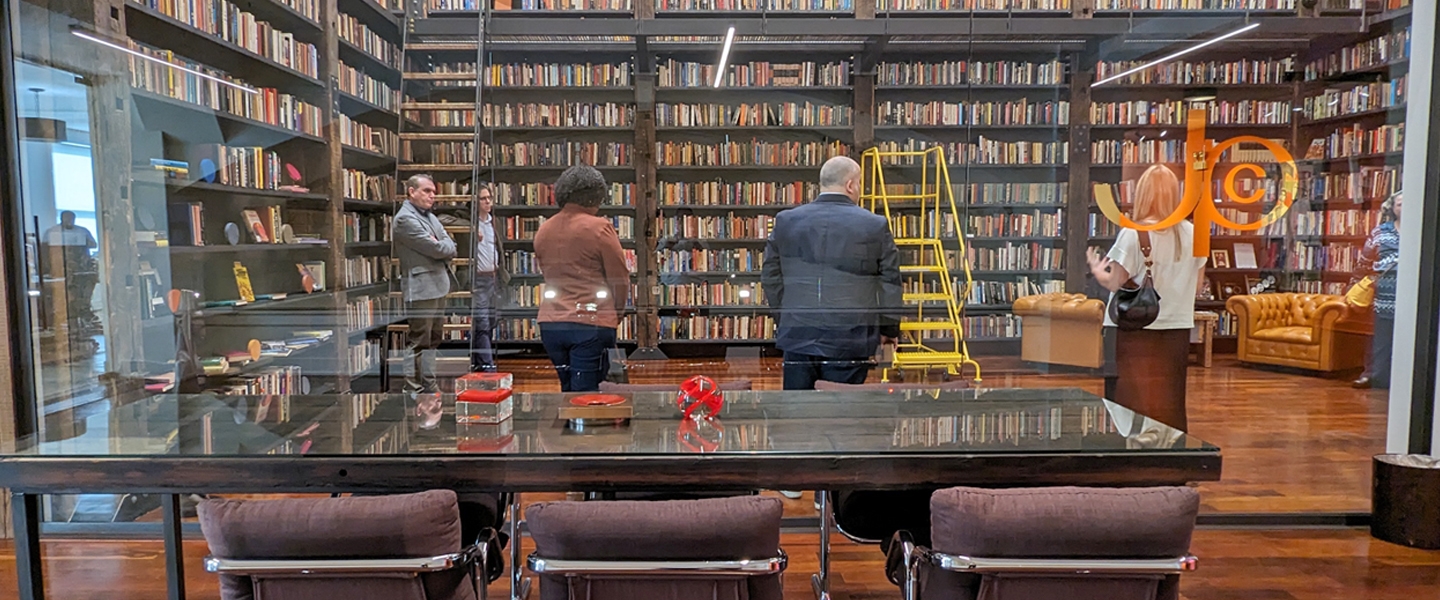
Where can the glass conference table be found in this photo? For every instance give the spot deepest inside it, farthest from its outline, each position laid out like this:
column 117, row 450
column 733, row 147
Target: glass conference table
column 197, row 444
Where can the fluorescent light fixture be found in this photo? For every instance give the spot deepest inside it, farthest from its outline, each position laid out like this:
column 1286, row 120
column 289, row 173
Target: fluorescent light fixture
column 724, row 56
column 1177, row 54
column 85, row 35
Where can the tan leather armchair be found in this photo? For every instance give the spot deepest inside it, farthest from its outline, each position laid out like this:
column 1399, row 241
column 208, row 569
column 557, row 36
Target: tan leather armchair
column 1296, row 330
column 1061, row 329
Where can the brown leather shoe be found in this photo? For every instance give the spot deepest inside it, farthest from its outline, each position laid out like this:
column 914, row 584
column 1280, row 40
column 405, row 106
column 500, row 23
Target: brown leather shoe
column 1363, row 383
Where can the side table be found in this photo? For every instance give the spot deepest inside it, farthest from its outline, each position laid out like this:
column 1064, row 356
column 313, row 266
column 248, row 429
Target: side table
column 1204, row 334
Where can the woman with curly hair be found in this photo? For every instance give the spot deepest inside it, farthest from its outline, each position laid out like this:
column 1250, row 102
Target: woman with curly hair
column 1379, row 258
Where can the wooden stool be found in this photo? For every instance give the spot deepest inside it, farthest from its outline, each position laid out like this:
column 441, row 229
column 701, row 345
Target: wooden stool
column 1204, row 334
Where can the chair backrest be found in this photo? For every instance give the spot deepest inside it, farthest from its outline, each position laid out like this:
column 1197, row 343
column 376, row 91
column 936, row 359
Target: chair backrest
column 738, row 385
column 371, row 527
column 1059, row 523
column 721, row 529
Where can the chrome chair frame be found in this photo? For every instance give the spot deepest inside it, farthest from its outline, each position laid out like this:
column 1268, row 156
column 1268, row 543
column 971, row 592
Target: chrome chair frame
column 691, row 568
column 913, row 556
column 474, row 558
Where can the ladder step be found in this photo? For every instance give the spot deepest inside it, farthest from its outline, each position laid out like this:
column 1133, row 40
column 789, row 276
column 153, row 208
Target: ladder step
column 928, row 297
column 929, row 326
column 917, row 242
column 923, row 269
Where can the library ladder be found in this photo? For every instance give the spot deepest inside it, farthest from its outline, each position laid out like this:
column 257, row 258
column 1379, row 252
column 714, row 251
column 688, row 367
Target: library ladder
column 917, row 215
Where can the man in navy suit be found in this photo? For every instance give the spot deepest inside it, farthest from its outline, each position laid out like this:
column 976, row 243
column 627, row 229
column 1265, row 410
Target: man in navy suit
column 832, row 275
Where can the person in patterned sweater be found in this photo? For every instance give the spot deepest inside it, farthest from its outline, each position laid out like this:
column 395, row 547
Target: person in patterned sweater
column 1379, row 258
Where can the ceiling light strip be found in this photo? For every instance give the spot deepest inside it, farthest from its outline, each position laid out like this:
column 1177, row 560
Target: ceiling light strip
column 85, row 35
column 724, row 56
column 1177, row 54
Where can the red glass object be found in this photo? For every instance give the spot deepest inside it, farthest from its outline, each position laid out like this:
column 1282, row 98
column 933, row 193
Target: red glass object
column 700, row 398
column 700, row 435
column 483, row 406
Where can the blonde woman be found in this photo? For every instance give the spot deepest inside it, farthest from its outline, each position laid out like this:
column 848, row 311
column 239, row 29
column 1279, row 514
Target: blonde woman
column 1146, row 370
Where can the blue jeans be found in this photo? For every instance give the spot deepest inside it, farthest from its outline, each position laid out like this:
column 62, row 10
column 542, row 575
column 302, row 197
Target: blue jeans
column 802, row 371
column 482, row 322
column 580, row 353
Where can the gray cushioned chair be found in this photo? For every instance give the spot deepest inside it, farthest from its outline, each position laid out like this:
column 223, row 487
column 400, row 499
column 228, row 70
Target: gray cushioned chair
column 398, row 547
column 721, row 549
column 1062, row 542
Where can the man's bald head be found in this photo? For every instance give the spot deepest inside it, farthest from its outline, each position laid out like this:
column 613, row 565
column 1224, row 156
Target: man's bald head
column 840, row 175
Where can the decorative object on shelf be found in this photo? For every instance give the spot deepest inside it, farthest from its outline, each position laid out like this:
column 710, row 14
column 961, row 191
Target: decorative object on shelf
column 1253, row 285
column 307, row 280
column 286, row 234
column 1227, row 290
column 700, row 398
column 1220, row 259
column 208, row 170
column 232, row 233
column 1207, row 291
column 242, row 282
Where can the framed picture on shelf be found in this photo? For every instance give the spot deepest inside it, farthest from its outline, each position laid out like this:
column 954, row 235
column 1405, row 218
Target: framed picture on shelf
column 1229, row 289
column 1219, row 259
column 1253, row 285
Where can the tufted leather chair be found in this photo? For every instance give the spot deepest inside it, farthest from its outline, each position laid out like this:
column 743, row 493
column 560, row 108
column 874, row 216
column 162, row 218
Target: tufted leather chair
column 1296, row 330
column 1062, row 329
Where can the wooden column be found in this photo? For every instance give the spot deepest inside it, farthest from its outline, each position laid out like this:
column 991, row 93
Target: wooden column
column 1077, row 202
column 864, row 113
column 647, row 315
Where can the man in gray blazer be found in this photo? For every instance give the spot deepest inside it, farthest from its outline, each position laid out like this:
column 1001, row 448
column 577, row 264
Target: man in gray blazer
column 424, row 249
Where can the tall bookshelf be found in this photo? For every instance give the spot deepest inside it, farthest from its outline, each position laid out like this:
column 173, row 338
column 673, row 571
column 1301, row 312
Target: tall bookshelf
column 272, row 147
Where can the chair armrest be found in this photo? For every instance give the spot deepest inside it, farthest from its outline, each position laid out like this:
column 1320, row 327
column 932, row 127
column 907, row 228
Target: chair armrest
column 1326, row 315
column 743, row 567
column 1101, row 566
column 1246, row 308
column 314, row 566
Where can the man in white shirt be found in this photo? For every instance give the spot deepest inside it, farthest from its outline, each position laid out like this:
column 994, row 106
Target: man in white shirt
column 491, row 279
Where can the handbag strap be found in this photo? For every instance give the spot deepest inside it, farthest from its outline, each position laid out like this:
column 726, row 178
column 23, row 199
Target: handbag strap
column 1145, row 250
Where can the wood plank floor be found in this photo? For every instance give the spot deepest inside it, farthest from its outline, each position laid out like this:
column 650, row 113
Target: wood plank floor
column 1311, row 564
column 1292, row 442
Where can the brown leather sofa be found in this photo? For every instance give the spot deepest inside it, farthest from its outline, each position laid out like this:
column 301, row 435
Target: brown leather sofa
column 1061, row 329
column 1296, row 330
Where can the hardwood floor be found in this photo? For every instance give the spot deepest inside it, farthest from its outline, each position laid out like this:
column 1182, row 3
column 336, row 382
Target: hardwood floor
column 1310, row 564
column 1292, row 442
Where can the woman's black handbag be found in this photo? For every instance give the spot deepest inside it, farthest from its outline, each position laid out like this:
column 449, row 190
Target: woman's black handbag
column 1133, row 307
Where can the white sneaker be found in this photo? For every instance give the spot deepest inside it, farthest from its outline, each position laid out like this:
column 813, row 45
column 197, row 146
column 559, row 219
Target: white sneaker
column 791, row 495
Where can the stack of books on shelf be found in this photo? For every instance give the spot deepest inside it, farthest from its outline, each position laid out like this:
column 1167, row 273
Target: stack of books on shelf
column 1358, row 141
column 523, row 154
column 718, row 328
column 1016, row 257
column 227, row 22
column 520, row 329
column 1173, row 112
column 728, row 227
column 1239, row 72
column 358, row 34
column 1236, row 5
column 1016, row 224
column 711, row 294
column 362, row 357
column 759, row 114
column 987, row 326
column 752, row 153
column 524, row 264
column 1040, row 194
column 1009, row 112
column 1390, row 48
column 970, row 72
column 543, row 194
column 1364, row 185
column 367, row 137
column 554, row 75
column 267, row 105
column 365, row 270
column 278, row 381
column 592, row 5
column 1357, row 99
column 740, row 193
column 361, row 85
column 368, row 312
column 754, row 5
column 974, row 5
column 1114, row 152
column 524, row 228
column 986, row 151
column 556, row 114
column 733, row 260
column 251, row 167
column 366, row 227
column 1004, row 293
column 358, row 185
column 455, row 118
column 675, row 73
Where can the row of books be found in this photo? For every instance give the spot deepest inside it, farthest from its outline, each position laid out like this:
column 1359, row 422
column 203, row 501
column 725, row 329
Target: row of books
column 1271, row 5
column 360, row 35
column 267, row 106
column 738, row 193
column 1102, row 227
column 362, row 85
column 367, row 137
column 1278, row 228
column 1173, row 112
column 555, row 114
column 447, row 117
column 759, row 114
column 528, row 330
column 735, row 260
column 675, row 73
column 975, row 5
column 543, row 194
column 969, row 72
column 365, row 270
column 928, row 224
column 1331, row 258
column 228, row 22
column 553, row 75
column 363, row 357
column 986, row 151
column 1357, row 99
column 1352, row 222
column 1005, row 292
column 1150, row 151
column 722, row 328
column 523, row 154
column 1015, row 257
column 359, row 185
column 756, row 227
column 1389, row 48
column 1271, row 71
column 711, row 294
column 310, row 9
column 1023, row 224
column 272, row 381
column 524, row 228
column 366, row 227
column 1366, row 184
column 980, row 194
column 754, row 5
column 1010, row 112
column 754, row 152
column 1333, row 288
column 367, row 312
column 987, row 327
column 248, row 167
column 1356, row 140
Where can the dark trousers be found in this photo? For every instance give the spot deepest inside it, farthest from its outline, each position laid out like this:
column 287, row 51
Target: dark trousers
column 1381, row 346
column 427, row 327
column 580, row 353
column 482, row 322
column 801, row 371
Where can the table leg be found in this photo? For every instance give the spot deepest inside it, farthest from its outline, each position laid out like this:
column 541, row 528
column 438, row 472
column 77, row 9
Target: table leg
column 25, row 512
column 519, row 585
column 1209, row 339
column 174, row 549
column 821, row 581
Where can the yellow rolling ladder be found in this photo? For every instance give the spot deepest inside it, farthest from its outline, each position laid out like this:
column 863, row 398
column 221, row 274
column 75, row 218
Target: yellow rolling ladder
column 926, row 272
